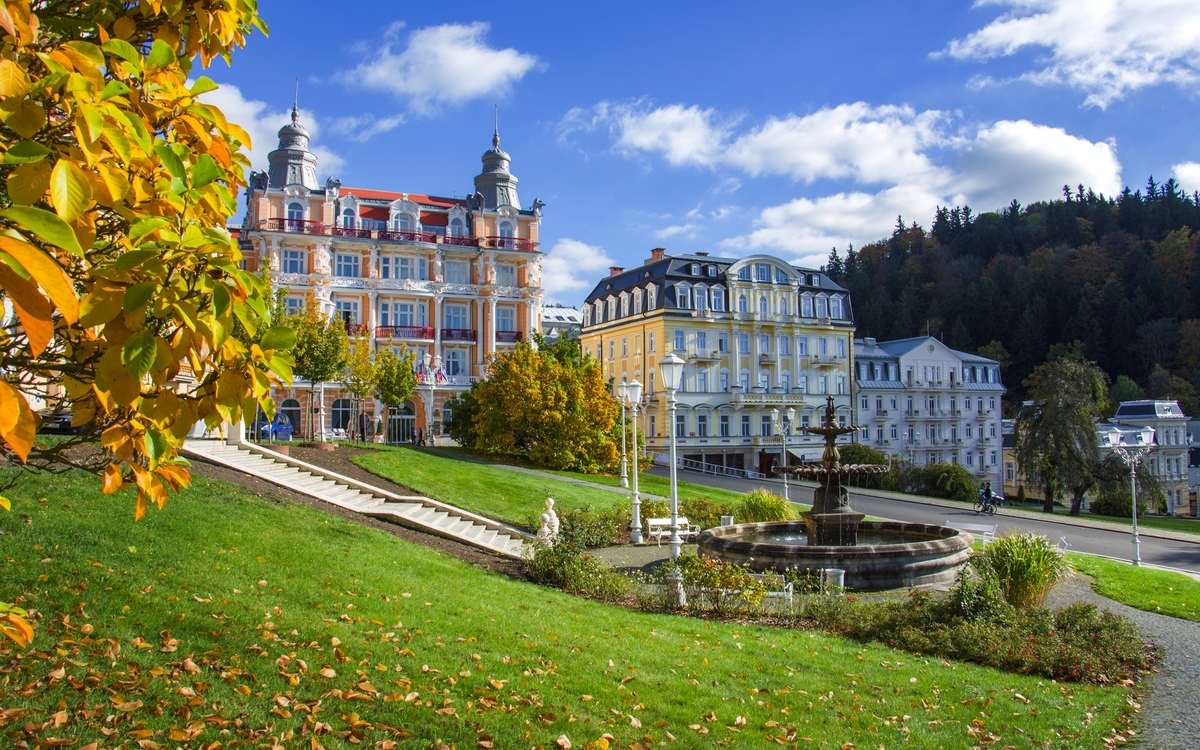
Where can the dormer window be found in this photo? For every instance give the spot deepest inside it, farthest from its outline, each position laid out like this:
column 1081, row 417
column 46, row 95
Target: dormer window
column 695, row 269
column 612, row 308
column 348, row 218
column 683, row 297
column 835, row 308
column 806, row 306
column 295, row 212
column 744, row 273
column 637, row 301
column 718, row 299
column 457, row 228
column 701, row 298
column 506, row 229
column 762, row 272
column 822, row 304
column 405, row 223
column 711, row 271
column 780, row 276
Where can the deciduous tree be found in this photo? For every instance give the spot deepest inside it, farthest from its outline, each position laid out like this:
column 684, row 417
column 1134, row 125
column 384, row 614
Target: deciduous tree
column 394, row 378
column 320, row 351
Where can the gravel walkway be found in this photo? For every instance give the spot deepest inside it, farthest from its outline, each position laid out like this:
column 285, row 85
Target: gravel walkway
column 1170, row 715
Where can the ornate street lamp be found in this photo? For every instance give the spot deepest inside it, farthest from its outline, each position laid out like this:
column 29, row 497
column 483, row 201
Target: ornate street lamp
column 426, row 360
column 1133, row 457
column 784, row 429
column 622, row 396
column 670, row 368
column 633, row 392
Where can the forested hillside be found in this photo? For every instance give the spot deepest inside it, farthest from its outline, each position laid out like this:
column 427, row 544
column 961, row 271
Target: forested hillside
column 1117, row 279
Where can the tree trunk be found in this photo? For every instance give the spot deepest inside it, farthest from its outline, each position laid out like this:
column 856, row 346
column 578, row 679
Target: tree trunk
column 1048, row 502
column 1077, row 500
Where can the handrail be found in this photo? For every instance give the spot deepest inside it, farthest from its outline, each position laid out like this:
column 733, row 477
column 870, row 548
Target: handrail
column 509, row 243
column 405, row 235
column 404, row 332
column 302, row 226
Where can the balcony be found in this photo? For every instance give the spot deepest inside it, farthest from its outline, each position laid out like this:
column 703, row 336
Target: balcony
column 505, row 337
column 362, row 234
column 404, row 235
column 706, row 355
column 768, row 359
column 912, row 412
column 356, row 329
column 509, row 243
column 460, row 241
column 300, row 226
column 404, row 332
column 881, row 413
column 458, row 334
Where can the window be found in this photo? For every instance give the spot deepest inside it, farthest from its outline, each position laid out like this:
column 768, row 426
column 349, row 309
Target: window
column 653, row 422
column 405, row 223
column 722, row 342
column 506, row 319
column 784, row 307
column 823, row 384
column 680, row 425
column 456, row 317
column 506, row 274
column 293, row 261
column 650, row 383
column 992, row 404
column 866, row 403
column 841, row 348
column 803, row 383
column 724, row 381
column 458, row 272
column 701, row 421
column 506, row 229
column 821, row 306
column 407, row 268
column 785, row 382
column 992, row 456
column 624, row 304
column 650, row 294
column 841, row 384
column 744, row 273
column 683, row 297
column 806, row 306
column 822, row 346
column 624, row 347
column 764, row 426
column 404, row 314
column 745, row 381
column 764, row 380
column 348, row 217
column 295, row 305
column 895, row 433
column 835, row 308
column 710, row 271
column 785, row 346
column 718, row 300
column 347, row 311
column 457, row 229
column 347, row 265
column 695, row 269
column 456, row 364
column 612, row 350
column 702, row 381
column 637, row 301
column 762, row 272
column 743, row 343
column 650, row 342
column 743, row 304
column 679, row 340
column 745, row 425
column 385, row 267
column 780, row 276
column 802, row 346
column 339, row 416
column 763, row 307
column 764, row 343
column 701, row 295
column 295, row 212
column 701, row 341
column 724, row 425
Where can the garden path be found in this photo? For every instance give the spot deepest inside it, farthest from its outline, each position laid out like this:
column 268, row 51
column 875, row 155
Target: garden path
column 1171, row 695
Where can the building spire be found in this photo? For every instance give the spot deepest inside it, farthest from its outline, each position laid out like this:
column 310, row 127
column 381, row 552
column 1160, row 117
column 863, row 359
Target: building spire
column 296, row 104
column 496, row 135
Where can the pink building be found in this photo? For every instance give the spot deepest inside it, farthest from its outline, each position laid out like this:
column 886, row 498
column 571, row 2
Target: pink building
column 455, row 280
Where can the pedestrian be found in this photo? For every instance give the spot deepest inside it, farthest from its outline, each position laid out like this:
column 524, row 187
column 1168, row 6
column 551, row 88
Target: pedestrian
column 421, row 439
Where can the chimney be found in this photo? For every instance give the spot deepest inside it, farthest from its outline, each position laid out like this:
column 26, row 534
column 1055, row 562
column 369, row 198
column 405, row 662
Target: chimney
column 702, row 255
column 614, row 270
column 657, row 253
column 870, row 341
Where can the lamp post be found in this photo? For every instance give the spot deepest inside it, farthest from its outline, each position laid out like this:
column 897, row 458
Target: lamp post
column 670, row 368
column 426, row 360
column 784, row 429
column 622, row 395
column 1133, row 457
column 633, row 392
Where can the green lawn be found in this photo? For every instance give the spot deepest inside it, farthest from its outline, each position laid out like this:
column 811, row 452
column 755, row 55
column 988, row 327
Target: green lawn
column 1153, row 590
column 1164, row 523
column 232, row 619
column 499, row 493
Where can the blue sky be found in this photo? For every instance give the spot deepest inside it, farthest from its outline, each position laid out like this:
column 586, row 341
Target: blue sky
column 785, row 128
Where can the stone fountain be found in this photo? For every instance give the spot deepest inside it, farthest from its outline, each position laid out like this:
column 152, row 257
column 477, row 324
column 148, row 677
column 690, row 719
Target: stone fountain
column 875, row 555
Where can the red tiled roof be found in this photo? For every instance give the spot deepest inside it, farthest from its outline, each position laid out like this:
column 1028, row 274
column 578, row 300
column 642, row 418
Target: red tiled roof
column 428, row 200
column 434, row 220
column 373, row 212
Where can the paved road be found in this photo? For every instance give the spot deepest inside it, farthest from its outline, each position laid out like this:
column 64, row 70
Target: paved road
column 1168, row 553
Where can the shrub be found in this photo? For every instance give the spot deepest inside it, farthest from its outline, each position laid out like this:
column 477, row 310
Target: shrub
column 1026, row 566
column 1116, row 504
column 763, row 505
column 977, row 597
column 1021, row 495
column 702, row 511
column 726, row 588
column 592, row 528
column 949, row 481
column 568, row 567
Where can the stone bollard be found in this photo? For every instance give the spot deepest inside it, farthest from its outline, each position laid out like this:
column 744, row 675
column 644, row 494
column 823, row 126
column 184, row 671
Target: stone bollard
column 547, row 533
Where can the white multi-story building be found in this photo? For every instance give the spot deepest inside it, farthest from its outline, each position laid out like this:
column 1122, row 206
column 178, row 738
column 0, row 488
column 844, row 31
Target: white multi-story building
column 1168, row 461
column 921, row 400
column 453, row 279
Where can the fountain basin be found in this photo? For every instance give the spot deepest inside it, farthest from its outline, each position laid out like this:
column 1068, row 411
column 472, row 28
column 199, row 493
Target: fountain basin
column 907, row 554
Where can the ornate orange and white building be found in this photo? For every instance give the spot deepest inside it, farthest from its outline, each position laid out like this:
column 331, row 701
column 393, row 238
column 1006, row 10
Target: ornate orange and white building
column 455, row 280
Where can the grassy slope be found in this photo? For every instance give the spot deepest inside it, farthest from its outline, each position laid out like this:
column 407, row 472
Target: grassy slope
column 208, row 600
column 1153, row 590
column 510, row 496
column 1165, row 523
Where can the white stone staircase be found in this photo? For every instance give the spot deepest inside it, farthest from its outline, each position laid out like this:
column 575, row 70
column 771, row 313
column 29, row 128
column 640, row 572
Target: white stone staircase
column 414, row 511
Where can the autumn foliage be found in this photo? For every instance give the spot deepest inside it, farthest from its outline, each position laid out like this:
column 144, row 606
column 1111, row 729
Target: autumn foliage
column 113, row 251
column 549, row 405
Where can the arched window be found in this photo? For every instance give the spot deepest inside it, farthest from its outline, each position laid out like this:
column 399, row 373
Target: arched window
column 784, row 307
column 348, row 218
column 506, row 229
column 295, row 212
column 405, row 223
column 763, row 307
column 457, row 228
column 743, row 304
column 341, row 414
column 291, row 409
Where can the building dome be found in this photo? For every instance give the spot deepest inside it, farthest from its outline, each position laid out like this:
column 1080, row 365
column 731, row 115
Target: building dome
column 495, row 185
column 292, row 163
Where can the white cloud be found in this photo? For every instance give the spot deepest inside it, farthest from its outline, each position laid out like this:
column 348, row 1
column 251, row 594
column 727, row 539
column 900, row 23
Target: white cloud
column 1107, row 48
column 1028, row 162
column 917, row 160
column 570, row 269
column 363, row 128
column 262, row 124
column 441, row 65
column 1187, row 174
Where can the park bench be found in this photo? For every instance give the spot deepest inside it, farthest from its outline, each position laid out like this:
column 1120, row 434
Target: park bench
column 984, row 532
column 660, row 529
